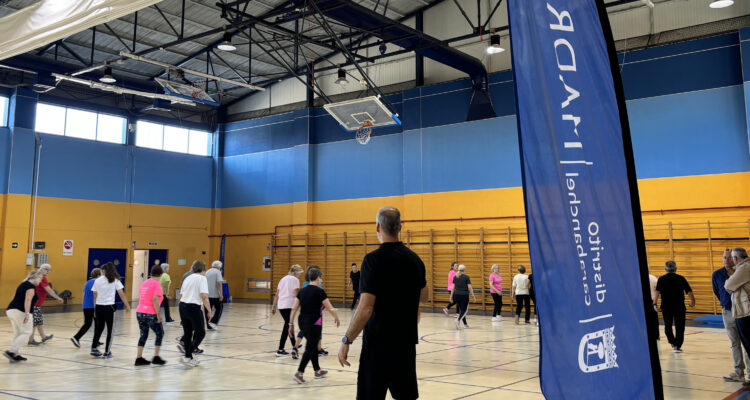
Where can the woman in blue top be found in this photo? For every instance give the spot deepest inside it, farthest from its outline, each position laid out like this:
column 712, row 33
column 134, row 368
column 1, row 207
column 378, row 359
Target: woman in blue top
column 88, row 307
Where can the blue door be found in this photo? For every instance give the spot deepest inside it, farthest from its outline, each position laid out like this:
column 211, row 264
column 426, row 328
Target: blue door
column 156, row 255
column 118, row 257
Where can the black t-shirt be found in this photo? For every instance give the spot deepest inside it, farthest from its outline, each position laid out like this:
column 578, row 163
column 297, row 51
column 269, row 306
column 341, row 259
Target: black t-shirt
column 311, row 300
column 673, row 288
column 354, row 276
column 19, row 299
column 395, row 275
column 461, row 285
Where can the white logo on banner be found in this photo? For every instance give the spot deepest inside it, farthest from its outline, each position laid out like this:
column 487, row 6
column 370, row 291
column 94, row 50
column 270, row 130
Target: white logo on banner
column 597, row 351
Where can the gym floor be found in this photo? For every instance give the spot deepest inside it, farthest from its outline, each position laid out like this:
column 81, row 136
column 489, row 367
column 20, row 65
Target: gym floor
column 488, row 361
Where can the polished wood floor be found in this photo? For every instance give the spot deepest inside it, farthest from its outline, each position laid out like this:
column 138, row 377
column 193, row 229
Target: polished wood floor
column 487, row 361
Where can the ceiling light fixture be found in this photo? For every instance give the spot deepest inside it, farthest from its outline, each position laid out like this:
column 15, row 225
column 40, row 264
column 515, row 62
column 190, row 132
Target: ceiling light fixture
column 494, row 46
column 342, row 77
column 107, row 77
column 227, row 45
column 721, row 3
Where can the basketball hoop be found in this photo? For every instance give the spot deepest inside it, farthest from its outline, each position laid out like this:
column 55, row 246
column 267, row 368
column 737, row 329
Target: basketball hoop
column 199, row 86
column 363, row 133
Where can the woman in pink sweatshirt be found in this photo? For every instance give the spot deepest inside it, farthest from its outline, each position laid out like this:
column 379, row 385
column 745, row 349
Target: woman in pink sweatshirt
column 451, row 275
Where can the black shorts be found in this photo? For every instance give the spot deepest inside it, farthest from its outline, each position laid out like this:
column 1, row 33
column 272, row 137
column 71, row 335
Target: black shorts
column 387, row 368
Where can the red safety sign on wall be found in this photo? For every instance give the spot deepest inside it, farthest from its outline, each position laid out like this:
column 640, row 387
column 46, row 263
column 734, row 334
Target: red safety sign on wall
column 67, row 247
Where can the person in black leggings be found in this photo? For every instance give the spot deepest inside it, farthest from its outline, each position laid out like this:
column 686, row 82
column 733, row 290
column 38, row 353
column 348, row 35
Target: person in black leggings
column 354, row 283
column 88, row 307
column 286, row 292
column 460, row 294
column 310, row 302
column 496, row 290
column 104, row 297
column 521, row 290
column 193, row 294
column 451, row 275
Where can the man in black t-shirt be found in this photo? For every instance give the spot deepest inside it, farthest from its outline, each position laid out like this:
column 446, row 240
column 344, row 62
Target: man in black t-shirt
column 672, row 288
column 354, row 282
column 392, row 285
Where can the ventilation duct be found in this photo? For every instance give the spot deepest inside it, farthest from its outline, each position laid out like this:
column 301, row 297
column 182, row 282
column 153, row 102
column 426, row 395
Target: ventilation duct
column 354, row 15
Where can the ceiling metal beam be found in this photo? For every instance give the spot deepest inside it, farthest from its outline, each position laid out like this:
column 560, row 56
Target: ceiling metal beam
column 156, row 6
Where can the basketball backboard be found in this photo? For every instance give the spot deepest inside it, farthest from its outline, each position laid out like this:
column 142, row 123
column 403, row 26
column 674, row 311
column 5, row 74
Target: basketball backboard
column 351, row 114
column 193, row 93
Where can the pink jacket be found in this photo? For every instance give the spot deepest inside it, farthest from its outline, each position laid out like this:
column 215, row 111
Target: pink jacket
column 451, row 275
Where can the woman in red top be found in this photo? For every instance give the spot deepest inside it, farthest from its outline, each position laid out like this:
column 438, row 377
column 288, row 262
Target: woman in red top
column 42, row 290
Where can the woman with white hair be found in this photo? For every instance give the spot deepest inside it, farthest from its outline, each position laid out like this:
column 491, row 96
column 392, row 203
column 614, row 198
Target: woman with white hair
column 521, row 287
column 286, row 292
column 19, row 312
column 460, row 295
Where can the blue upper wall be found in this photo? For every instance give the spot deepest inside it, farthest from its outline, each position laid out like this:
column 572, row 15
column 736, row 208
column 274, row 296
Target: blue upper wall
column 686, row 105
column 74, row 168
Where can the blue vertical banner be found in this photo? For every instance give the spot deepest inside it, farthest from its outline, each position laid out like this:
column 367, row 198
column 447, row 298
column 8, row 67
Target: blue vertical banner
column 222, row 250
column 582, row 207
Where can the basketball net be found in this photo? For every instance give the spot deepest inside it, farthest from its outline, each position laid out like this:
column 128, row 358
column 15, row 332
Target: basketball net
column 363, row 133
column 199, row 85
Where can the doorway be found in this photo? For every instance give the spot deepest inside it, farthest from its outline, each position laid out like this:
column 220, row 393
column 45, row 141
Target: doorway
column 118, row 257
column 140, row 271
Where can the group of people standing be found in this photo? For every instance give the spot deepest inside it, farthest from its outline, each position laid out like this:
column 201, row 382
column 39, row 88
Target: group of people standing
column 460, row 288
column 99, row 307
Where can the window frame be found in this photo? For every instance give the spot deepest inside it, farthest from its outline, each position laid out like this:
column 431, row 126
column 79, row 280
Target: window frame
column 4, row 110
column 209, row 138
column 123, row 137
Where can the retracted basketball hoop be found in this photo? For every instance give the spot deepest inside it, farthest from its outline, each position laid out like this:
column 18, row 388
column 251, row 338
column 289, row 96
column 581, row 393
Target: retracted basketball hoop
column 363, row 133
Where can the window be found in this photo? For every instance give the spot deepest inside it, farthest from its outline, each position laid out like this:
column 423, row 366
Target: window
column 173, row 138
column 149, row 135
column 80, row 124
column 3, row 111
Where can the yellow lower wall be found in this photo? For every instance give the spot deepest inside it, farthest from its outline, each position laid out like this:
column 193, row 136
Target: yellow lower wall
column 695, row 199
column 188, row 232
column 95, row 224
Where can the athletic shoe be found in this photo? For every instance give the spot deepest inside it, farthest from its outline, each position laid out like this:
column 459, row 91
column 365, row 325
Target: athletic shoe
column 528, row 322
column 10, row 356
column 96, row 353
column 518, row 319
column 466, row 326
column 295, row 354
column 158, row 361
column 197, row 351
column 735, row 377
column 99, row 344
column 281, row 353
column 322, row 352
column 676, row 350
column 47, row 338
column 213, row 326
column 190, row 362
column 445, row 310
column 494, row 319
column 181, row 347
column 18, row 357
column 171, row 321
column 107, row 355
column 321, row 373
column 141, row 361
column 298, row 378
column 209, row 328
column 76, row 343
column 34, row 343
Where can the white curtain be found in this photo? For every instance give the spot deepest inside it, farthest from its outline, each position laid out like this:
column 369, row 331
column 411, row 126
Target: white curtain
column 50, row 20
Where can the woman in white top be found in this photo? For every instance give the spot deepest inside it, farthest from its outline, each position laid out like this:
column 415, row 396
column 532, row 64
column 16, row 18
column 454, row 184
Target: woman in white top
column 521, row 290
column 104, row 290
column 284, row 301
column 193, row 294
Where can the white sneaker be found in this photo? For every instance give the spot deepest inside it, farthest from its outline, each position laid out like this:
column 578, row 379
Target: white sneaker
column 494, row 319
column 213, row 326
column 190, row 362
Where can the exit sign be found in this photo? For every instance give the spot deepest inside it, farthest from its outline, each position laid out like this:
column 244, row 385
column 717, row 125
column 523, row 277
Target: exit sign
column 14, row 245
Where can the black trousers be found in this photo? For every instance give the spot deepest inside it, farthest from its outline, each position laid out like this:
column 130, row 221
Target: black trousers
column 385, row 367
column 285, row 313
column 743, row 328
column 356, row 297
column 312, row 334
column 105, row 315
column 165, row 306
column 462, row 306
column 450, row 304
column 218, row 307
column 523, row 300
column 676, row 316
column 193, row 330
column 498, row 299
column 88, row 319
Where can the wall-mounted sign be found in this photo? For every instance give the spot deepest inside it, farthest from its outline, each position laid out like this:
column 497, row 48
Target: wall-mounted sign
column 153, row 244
column 40, row 245
column 14, row 245
column 67, row 247
column 266, row 263
column 181, row 261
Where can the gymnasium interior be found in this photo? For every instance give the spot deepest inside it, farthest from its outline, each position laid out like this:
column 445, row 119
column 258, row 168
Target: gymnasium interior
column 144, row 132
